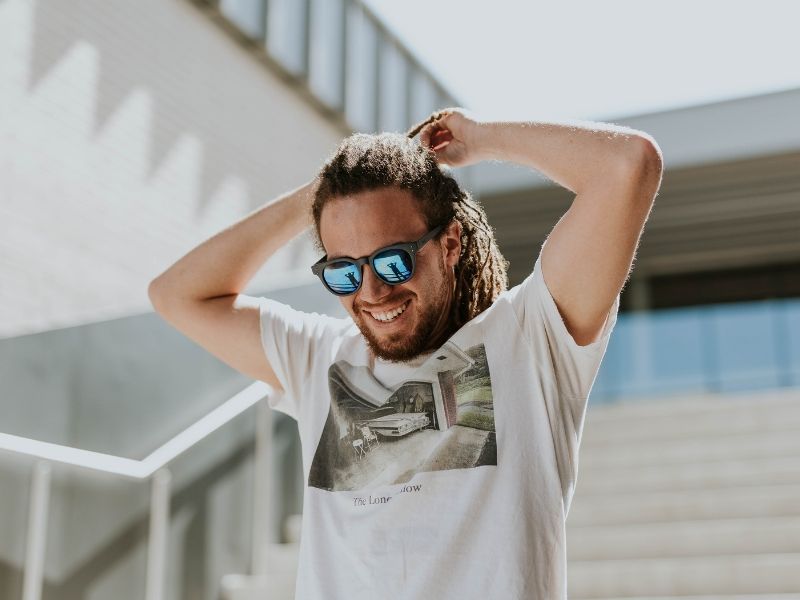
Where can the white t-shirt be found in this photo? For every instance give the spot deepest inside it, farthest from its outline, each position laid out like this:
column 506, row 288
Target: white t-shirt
column 449, row 477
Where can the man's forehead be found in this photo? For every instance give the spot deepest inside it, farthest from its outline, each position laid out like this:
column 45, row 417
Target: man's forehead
column 380, row 200
column 357, row 225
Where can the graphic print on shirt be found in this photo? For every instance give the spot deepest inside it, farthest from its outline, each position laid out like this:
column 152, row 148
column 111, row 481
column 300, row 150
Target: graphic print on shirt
column 441, row 419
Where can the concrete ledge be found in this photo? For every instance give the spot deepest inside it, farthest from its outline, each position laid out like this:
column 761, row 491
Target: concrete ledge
column 689, row 505
column 713, row 575
column 717, row 537
column 676, row 420
column 725, row 597
column 699, row 475
column 658, row 452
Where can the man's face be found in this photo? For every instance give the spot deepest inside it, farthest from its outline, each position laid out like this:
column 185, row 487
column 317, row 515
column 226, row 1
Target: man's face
column 358, row 225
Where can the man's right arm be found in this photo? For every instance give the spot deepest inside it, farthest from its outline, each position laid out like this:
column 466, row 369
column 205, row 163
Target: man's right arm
column 200, row 295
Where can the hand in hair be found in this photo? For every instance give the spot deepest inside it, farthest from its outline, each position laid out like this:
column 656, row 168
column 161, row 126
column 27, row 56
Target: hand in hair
column 451, row 134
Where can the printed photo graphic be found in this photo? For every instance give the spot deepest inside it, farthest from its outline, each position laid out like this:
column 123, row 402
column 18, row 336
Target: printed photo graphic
column 442, row 418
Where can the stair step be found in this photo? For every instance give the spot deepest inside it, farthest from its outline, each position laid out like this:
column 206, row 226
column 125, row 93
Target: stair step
column 257, row 587
column 676, row 420
column 650, row 407
column 687, row 538
column 652, row 507
column 697, row 475
column 725, row 597
column 695, row 576
column 663, row 452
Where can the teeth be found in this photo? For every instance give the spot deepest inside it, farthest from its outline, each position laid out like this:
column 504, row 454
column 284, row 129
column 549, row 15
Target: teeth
column 385, row 317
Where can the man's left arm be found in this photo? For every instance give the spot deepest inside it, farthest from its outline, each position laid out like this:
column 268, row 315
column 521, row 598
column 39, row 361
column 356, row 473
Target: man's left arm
column 615, row 173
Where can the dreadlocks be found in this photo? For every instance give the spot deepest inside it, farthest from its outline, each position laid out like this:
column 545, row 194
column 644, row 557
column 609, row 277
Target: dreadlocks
column 368, row 162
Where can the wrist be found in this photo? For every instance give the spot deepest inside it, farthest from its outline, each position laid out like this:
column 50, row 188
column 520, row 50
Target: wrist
column 485, row 141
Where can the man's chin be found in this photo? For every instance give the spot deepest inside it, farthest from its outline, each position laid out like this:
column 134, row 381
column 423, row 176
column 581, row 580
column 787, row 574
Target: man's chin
column 404, row 341
column 394, row 347
column 393, row 353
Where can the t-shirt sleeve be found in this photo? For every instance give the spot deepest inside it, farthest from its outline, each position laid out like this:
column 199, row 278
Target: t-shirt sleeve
column 574, row 367
column 570, row 369
column 296, row 345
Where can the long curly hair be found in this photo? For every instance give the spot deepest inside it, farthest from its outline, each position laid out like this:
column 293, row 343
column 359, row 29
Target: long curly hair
column 373, row 161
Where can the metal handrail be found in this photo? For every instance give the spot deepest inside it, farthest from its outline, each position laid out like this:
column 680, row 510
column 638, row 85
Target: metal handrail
column 153, row 467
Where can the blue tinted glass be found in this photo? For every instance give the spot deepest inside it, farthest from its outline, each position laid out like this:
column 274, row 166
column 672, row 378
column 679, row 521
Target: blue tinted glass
column 394, row 266
column 342, row 277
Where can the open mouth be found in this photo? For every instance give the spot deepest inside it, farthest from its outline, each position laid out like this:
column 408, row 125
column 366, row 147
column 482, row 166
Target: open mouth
column 391, row 315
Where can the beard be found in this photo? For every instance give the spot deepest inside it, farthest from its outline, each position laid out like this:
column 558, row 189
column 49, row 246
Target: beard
column 428, row 333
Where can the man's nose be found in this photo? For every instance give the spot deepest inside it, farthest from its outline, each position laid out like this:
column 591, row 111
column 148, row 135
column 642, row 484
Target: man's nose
column 373, row 288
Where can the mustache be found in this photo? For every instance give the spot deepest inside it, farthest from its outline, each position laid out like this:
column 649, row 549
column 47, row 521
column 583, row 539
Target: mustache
column 399, row 301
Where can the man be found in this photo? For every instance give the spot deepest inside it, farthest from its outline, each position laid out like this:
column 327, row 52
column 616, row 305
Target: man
column 475, row 506
column 417, row 402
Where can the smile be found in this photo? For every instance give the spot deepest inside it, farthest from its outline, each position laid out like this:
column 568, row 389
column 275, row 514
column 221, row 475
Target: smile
column 389, row 316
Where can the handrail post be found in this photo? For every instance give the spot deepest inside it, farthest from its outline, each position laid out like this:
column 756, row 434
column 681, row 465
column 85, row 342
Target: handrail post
column 262, row 476
column 157, row 541
column 37, row 532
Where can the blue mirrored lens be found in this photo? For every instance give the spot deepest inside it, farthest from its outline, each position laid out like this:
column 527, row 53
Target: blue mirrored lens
column 393, row 266
column 342, row 277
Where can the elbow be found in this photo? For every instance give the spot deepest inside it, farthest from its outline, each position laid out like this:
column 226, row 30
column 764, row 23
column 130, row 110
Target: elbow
column 157, row 295
column 647, row 166
column 648, row 154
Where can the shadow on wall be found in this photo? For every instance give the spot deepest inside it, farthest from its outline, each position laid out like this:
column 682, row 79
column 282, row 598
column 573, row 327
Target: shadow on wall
column 190, row 70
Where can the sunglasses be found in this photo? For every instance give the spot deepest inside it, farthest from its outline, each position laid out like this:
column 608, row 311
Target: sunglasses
column 393, row 265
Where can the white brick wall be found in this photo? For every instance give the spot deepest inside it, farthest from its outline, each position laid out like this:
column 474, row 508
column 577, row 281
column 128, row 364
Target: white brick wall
column 130, row 132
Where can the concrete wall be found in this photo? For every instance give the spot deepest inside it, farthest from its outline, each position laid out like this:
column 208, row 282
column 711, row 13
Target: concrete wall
column 130, row 132
column 706, row 134
column 124, row 387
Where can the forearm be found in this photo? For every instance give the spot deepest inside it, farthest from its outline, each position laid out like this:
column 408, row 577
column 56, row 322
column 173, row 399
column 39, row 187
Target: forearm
column 574, row 154
column 224, row 264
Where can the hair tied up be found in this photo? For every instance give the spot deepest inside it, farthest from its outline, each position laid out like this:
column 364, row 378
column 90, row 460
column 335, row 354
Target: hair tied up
column 412, row 133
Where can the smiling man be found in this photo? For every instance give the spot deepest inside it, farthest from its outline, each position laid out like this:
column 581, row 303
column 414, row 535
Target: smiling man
column 440, row 422
column 399, row 315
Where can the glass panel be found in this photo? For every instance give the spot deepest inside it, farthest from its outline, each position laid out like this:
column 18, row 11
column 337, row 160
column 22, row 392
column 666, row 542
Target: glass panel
column 721, row 348
column 789, row 329
column 677, row 361
column 286, row 33
column 392, row 89
column 632, row 358
column 745, row 344
column 362, row 71
column 606, row 384
column 326, row 71
column 247, row 15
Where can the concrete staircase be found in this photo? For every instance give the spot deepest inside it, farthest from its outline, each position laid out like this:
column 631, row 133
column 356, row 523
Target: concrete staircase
column 277, row 573
column 691, row 498
column 696, row 498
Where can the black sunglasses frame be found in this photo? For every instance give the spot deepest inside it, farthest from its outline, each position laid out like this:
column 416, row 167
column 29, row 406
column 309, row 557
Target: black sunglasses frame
column 411, row 248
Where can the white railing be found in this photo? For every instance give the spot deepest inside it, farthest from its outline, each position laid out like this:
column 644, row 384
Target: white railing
column 154, row 468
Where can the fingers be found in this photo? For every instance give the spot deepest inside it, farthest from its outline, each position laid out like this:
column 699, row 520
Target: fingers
column 434, row 137
column 436, row 117
column 440, row 138
column 418, row 128
column 435, row 134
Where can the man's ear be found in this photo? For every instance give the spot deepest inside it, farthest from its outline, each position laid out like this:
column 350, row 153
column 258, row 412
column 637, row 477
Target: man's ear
column 451, row 243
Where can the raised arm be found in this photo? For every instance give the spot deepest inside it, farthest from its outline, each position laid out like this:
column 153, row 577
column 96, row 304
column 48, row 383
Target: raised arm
column 615, row 173
column 200, row 295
